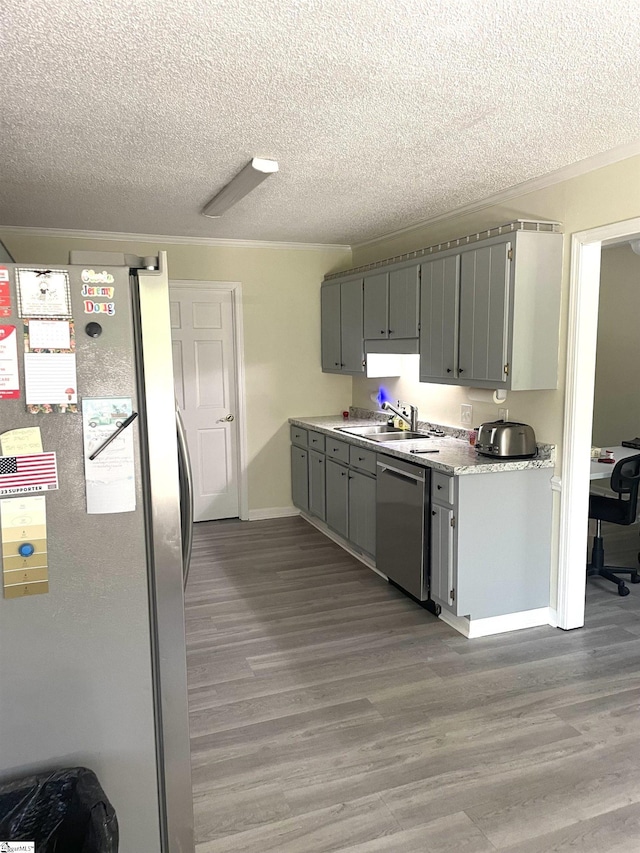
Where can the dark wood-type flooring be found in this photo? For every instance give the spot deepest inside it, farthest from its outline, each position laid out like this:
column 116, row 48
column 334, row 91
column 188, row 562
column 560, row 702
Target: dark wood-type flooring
column 331, row 713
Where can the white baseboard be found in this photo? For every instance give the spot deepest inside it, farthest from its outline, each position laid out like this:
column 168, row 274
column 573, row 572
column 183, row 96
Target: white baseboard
column 273, row 512
column 474, row 628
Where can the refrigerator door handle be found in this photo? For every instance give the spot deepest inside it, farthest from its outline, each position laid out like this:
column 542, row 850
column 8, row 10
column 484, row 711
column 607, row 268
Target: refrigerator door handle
column 186, row 497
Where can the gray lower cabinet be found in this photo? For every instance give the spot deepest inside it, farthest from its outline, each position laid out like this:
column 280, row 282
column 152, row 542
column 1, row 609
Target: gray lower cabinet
column 362, row 511
column 300, row 477
column 337, row 497
column 338, row 486
column 490, row 542
column 443, row 583
column 317, row 486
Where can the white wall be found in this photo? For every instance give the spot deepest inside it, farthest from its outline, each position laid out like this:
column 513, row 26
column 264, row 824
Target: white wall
column 616, row 415
column 281, row 307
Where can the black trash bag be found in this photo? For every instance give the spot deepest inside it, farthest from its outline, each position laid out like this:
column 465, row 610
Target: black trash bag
column 63, row 812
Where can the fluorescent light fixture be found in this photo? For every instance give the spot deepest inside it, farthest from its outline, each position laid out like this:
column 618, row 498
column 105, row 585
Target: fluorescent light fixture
column 254, row 173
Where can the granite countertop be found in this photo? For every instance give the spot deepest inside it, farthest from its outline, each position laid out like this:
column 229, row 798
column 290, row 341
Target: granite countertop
column 454, row 456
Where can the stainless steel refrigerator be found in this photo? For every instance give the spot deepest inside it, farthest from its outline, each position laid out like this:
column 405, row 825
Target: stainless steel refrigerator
column 93, row 671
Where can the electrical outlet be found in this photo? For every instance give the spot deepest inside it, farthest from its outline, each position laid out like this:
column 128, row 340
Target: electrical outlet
column 466, row 414
column 503, row 414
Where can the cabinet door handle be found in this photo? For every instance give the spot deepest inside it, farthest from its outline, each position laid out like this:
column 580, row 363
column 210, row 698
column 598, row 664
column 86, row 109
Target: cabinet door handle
column 343, row 473
column 438, row 487
column 382, row 331
column 390, row 331
column 336, row 364
column 433, row 512
column 460, row 370
column 360, row 458
column 448, row 370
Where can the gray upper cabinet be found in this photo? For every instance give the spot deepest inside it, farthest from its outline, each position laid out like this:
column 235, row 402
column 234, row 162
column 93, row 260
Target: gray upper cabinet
column 391, row 304
column 490, row 313
column 330, row 313
column 404, row 292
column 351, row 337
column 376, row 306
column 484, row 293
column 439, row 319
column 341, row 335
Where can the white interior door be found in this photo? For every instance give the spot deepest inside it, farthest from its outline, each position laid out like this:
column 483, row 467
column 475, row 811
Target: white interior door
column 204, row 368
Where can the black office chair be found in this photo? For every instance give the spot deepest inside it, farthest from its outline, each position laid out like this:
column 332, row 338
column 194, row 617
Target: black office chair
column 625, row 479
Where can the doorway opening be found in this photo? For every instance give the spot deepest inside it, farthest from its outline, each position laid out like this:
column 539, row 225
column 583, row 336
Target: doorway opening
column 584, row 292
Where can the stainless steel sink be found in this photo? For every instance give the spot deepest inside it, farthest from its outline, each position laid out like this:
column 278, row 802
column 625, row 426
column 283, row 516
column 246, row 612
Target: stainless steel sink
column 368, row 430
column 382, row 432
column 399, row 435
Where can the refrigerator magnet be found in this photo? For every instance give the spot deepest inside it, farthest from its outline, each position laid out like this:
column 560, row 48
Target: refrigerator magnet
column 5, row 293
column 97, row 287
column 9, row 376
column 43, row 293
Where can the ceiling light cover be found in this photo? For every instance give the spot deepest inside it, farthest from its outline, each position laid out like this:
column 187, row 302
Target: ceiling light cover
column 253, row 174
column 635, row 246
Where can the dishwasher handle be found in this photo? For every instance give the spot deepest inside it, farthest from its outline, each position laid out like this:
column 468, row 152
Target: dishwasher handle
column 405, row 475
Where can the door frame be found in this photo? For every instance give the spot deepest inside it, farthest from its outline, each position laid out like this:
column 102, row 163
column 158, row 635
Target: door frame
column 582, row 329
column 235, row 289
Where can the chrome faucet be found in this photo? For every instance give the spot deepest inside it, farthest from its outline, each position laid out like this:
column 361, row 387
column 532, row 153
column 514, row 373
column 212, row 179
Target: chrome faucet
column 411, row 421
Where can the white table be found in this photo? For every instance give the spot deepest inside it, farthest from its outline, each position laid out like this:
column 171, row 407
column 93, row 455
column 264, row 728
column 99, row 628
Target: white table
column 602, row 471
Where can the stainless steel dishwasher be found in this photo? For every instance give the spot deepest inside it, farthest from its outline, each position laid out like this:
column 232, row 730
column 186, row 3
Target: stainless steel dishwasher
column 402, row 530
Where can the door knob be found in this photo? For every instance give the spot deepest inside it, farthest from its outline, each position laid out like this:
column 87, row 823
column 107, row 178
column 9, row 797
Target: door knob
column 228, row 418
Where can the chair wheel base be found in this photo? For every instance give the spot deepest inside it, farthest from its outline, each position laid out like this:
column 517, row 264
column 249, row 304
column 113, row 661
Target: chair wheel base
column 623, row 590
column 635, row 578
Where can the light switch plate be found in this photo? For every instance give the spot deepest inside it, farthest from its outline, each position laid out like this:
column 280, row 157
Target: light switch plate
column 503, row 414
column 466, row 414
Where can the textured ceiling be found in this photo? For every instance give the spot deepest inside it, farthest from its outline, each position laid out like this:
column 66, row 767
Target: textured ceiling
column 128, row 115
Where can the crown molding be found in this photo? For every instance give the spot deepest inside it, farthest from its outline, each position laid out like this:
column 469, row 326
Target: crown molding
column 125, row 237
column 573, row 170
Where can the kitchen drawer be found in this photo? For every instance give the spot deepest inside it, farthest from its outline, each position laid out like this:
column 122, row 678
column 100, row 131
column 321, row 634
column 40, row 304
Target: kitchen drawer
column 316, row 441
column 442, row 488
column 363, row 459
column 298, row 436
column 337, row 449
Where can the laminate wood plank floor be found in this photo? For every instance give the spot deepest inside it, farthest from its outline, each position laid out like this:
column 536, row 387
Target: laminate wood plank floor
column 331, row 714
